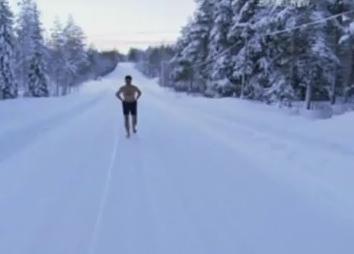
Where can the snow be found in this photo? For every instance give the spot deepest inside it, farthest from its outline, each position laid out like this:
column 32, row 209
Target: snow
column 203, row 176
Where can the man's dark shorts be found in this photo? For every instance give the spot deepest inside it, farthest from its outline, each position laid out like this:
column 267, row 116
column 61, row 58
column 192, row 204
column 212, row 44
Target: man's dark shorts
column 130, row 108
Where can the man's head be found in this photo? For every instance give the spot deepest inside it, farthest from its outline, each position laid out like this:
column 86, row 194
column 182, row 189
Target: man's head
column 128, row 80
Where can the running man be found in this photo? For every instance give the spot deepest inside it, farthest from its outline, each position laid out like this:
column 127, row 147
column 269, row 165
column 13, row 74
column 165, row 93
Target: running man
column 129, row 95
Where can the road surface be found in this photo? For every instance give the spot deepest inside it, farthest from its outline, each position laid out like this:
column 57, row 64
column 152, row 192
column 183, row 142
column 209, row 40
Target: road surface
column 202, row 176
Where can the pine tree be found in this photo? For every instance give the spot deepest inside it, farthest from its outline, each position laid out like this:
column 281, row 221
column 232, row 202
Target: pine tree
column 265, row 52
column 182, row 72
column 282, row 66
column 31, row 51
column 69, row 63
column 318, row 63
column 218, row 55
column 75, row 52
column 24, row 46
column 192, row 57
column 37, row 73
column 342, row 30
column 276, row 66
column 271, row 53
column 8, row 85
column 56, row 57
column 246, row 46
column 152, row 60
column 37, row 78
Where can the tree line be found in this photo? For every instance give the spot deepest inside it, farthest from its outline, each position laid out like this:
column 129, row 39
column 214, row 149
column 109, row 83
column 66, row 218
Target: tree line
column 33, row 66
column 150, row 61
column 258, row 51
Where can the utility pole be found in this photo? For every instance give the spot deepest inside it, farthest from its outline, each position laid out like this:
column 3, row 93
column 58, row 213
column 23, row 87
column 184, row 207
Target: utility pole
column 243, row 85
column 293, row 62
column 162, row 73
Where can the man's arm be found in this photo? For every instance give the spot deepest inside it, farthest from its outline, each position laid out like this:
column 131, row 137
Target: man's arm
column 119, row 94
column 138, row 91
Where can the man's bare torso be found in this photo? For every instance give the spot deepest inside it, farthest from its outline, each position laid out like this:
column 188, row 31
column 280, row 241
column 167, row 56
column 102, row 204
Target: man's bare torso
column 129, row 93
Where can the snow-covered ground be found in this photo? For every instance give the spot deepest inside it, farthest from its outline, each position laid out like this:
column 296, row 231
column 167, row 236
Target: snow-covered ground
column 202, row 176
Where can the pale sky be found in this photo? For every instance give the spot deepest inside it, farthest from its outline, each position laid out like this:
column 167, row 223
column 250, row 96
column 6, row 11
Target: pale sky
column 121, row 24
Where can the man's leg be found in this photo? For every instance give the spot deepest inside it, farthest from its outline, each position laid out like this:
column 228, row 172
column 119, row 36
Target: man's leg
column 126, row 117
column 127, row 125
column 135, row 122
column 134, row 116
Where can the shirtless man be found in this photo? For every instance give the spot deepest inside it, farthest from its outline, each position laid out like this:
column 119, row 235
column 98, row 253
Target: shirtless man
column 129, row 95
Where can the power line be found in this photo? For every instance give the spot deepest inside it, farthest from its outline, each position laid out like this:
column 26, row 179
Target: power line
column 312, row 23
column 225, row 51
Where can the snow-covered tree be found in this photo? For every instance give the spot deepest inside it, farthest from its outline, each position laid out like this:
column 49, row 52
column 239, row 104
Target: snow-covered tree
column 182, row 72
column 75, row 52
column 56, row 57
column 30, row 66
column 153, row 59
column 246, row 44
column 37, row 77
column 190, row 61
column 31, row 51
column 262, row 50
column 8, row 85
column 218, row 55
column 38, row 74
column 24, row 45
column 68, row 56
column 342, row 30
column 102, row 63
column 296, row 60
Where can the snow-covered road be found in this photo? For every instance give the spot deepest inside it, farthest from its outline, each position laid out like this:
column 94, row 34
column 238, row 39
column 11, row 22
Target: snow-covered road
column 202, row 176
